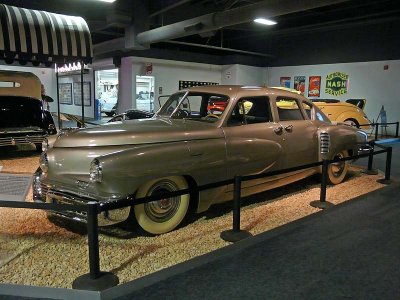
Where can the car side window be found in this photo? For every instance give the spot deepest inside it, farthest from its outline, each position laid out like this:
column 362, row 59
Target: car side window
column 288, row 109
column 250, row 110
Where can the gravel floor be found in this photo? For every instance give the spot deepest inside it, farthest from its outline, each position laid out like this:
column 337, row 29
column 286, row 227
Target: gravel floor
column 35, row 251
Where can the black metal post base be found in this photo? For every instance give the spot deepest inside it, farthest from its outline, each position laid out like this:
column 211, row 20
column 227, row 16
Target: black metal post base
column 321, row 204
column 234, row 236
column 370, row 172
column 385, row 181
column 104, row 281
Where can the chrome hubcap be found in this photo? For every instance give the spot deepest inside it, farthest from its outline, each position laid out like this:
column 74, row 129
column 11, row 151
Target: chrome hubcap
column 162, row 210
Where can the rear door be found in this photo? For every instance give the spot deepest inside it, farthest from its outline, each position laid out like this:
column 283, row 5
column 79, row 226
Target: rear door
column 252, row 144
column 298, row 132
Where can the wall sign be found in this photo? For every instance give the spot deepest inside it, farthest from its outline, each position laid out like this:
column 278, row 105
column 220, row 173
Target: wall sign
column 65, row 93
column 285, row 81
column 78, row 94
column 183, row 84
column 148, row 68
column 336, row 83
column 300, row 83
column 314, row 85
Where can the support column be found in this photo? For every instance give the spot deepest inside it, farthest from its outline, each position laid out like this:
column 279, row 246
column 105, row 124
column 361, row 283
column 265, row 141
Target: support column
column 126, row 85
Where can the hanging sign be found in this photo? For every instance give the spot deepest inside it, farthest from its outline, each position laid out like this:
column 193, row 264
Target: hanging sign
column 336, row 83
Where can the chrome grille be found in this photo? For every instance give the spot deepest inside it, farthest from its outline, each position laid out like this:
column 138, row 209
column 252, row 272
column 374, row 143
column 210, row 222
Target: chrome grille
column 44, row 189
column 324, row 142
column 20, row 140
column 62, row 198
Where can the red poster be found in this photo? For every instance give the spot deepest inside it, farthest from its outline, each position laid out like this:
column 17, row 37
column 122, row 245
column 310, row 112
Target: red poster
column 314, row 86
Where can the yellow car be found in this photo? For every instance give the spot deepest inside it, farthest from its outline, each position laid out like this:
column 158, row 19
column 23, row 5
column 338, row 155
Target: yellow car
column 350, row 112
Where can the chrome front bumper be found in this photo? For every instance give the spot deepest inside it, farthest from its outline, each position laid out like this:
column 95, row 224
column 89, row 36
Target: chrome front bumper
column 43, row 193
column 364, row 149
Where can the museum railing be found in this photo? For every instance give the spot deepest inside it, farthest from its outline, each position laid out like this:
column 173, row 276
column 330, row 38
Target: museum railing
column 383, row 125
column 98, row 280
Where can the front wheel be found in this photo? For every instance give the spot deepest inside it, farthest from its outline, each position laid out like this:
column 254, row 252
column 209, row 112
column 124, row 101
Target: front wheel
column 165, row 215
column 337, row 171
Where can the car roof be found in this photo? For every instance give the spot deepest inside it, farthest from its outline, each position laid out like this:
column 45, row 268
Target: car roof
column 26, row 84
column 242, row 90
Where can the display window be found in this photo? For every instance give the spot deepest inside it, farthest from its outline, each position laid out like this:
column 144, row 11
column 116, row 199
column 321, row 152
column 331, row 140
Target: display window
column 106, row 90
column 145, row 93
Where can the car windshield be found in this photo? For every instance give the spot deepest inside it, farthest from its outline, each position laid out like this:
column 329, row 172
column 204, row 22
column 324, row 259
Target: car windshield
column 197, row 106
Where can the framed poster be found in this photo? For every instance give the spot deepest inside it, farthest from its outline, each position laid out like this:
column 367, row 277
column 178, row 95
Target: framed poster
column 314, row 86
column 300, row 83
column 65, row 93
column 78, row 95
column 285, row 82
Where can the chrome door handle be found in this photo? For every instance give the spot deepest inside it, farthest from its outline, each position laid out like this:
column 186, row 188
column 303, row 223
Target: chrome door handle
column 278, row 130
column 289, row 128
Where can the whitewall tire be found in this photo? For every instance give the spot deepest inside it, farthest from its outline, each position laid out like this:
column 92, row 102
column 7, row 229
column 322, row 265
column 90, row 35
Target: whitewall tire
column 165, row 215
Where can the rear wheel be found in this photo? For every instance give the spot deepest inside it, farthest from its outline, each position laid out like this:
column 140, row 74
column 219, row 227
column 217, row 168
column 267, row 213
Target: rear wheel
column 165, row 215
column 337, row 171
column 352, row 122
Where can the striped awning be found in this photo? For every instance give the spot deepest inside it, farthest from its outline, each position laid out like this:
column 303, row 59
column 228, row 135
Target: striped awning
column 35, row 36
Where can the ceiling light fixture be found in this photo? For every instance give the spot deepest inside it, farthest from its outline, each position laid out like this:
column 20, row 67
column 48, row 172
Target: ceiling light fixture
column 265, row 21
column 109, row 1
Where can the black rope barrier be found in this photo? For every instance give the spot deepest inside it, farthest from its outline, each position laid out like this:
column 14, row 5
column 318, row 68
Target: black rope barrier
column 376, row 127
column 97, row 280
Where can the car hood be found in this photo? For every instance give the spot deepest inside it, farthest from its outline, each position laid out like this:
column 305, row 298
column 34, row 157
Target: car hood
column 142, row 131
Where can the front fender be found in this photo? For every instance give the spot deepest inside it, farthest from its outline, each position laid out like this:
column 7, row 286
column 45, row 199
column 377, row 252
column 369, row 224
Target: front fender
column 125, row 171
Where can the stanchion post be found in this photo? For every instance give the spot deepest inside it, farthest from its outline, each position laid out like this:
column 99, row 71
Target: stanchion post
column 236, row 204
column 376, row 131
column 369, row 170
column 322, row 203
column 387, row 179
column 93, row 241
column 235, row 234
column 397, row 129
column 95, row 280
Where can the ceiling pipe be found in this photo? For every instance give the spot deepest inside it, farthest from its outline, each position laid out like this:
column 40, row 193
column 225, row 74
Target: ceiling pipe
column 218, row 20
column 165, row 9
column 220, row 48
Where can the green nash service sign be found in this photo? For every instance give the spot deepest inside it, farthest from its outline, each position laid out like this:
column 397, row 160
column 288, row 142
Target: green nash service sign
column 336, row 83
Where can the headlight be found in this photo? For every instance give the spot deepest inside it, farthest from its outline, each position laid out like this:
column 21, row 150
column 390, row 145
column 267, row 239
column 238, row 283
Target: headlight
column 96, row 170
column 45, row 145
column 44, row 162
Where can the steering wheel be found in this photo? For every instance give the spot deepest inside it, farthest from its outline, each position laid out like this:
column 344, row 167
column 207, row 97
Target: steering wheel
column 211, row 116
column 181, row 113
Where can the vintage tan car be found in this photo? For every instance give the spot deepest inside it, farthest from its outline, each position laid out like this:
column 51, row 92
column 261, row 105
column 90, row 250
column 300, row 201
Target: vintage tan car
column 257, row 130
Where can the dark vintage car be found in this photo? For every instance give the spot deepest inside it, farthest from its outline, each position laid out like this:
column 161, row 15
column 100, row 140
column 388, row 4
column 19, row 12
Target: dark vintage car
column 131, row 115
column 22, row 117
column 184, row 145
